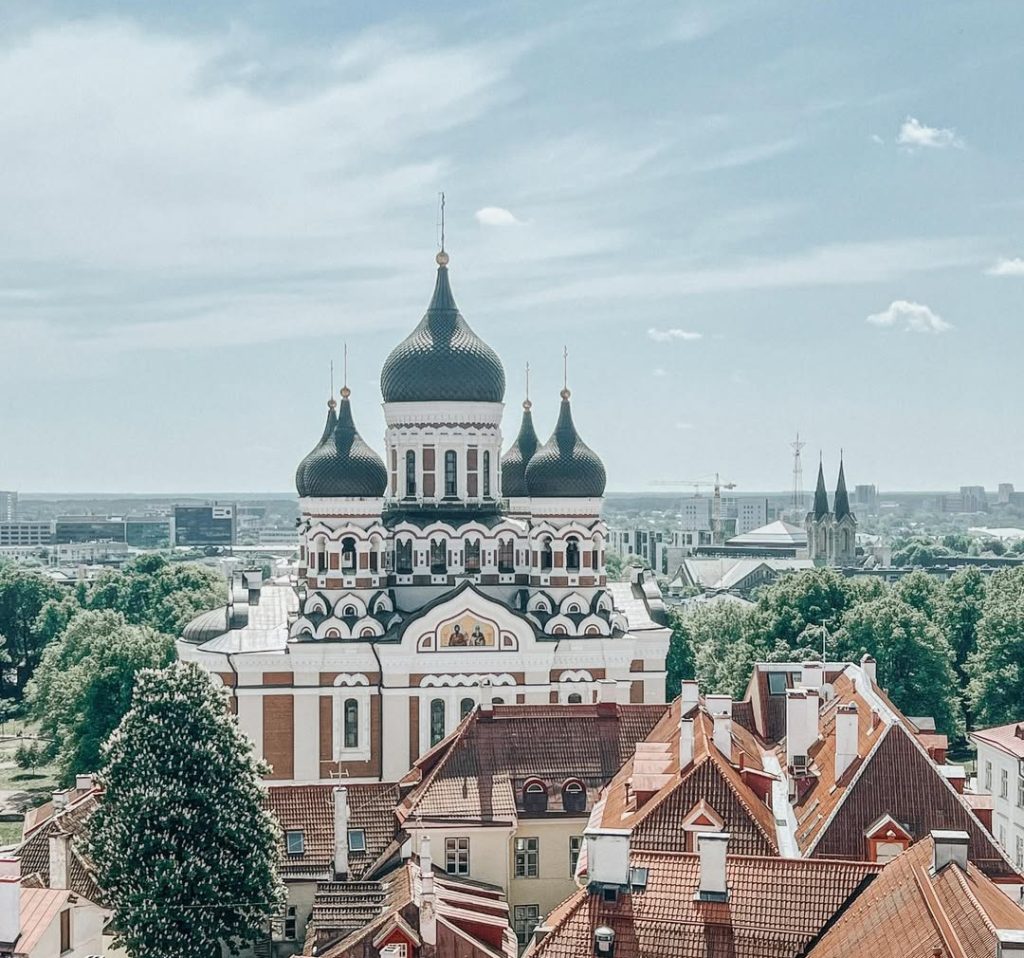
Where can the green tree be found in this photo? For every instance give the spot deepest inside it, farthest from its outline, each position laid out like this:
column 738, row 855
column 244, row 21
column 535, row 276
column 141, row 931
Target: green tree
column 961, row 607
column 184, row 847
column 22, row 597
column 995, row 669
column 83, row 685
column 920, row 591
column 152, row 591
column 791, row 611
column 679, row 661
column 613, row 567
column 722, row 645
column 915, row 664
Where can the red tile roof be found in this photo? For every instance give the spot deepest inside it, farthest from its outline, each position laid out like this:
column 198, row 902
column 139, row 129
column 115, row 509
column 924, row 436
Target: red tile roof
column 310, row 809
column 776, row 907
column 39, row 910
column 480, row 772
column 908, row 912
column 1010, row 738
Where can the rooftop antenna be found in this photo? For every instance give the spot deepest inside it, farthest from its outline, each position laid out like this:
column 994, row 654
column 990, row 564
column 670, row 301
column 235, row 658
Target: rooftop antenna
column 798, row 473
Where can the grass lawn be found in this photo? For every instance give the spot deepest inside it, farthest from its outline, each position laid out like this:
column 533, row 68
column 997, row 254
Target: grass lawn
column 38, row 782
column 10, row 833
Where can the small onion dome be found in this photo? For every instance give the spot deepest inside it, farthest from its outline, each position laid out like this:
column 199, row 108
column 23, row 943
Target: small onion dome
column 565, row 467
column 332, row 421
column 342, row 465
column 442, row 359
column 515, row 461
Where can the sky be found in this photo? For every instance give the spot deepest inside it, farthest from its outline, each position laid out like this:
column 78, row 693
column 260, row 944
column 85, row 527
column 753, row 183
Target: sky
column 742, row 218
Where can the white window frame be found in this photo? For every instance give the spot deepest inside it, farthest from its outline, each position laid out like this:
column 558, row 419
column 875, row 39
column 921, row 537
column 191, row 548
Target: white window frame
column 457, row 852
column 527, row 851
column 289, row 834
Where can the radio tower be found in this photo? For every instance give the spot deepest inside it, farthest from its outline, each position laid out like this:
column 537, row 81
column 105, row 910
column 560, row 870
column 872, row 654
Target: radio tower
column 798, row 474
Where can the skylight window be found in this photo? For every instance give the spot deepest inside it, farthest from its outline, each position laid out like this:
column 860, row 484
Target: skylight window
column 295, row 842
column 356, row 840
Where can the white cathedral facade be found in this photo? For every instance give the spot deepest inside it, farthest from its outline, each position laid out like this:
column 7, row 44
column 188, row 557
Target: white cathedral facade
column 440, row 574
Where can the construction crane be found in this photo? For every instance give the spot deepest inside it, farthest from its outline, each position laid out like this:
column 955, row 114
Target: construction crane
column 716, row 500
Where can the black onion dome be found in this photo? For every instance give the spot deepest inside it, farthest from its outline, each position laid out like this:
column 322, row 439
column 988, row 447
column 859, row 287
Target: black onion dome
column 344, row 465
column 442, row 358
column 300, row 473
column 515, row 461
column 565, row 467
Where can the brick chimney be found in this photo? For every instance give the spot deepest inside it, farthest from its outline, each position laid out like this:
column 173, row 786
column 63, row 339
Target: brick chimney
column 341, row 832
column 685, row 743
column 689, row 696
column 801, row 722
column 950, row 847
column 711, row 850
column 60, row 860
column 847, row 737
column 10, row 899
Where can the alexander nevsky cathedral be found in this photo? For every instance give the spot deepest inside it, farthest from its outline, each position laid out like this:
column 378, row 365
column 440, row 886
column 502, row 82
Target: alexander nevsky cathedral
column 442, row 573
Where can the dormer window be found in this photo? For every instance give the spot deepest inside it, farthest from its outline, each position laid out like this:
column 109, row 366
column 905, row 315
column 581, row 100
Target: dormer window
column 535, row 796
column 295, row 842
column 574, row 796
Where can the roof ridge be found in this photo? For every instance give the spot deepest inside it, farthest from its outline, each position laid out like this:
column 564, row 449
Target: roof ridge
column 965, row 885
column 723, row 764
column 938, row 915
column 456, row 737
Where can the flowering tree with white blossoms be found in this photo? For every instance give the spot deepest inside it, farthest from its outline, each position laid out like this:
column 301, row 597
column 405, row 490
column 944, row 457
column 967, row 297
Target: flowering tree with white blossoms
column 184, row 848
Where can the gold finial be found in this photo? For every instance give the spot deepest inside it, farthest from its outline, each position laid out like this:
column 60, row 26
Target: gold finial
column 565, row 394
column 442, row 257
column 345, row 391
column 527, row 405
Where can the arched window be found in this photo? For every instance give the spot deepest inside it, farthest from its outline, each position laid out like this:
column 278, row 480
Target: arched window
column 367, row 633
column 349, row 612
column 374, row 556
column 472, row 555
column 535, row 797
column 559, row 630
column 546, row 556
column 351, row 723
column 573, row 609
column 451, row 474
column 574, row 796
column 410, row 473
column 403, row 557
column 487, row 475
column 506, row 556
column 438, row 556
column 497, row 700
column 348, row 554
column 592, row 630
column 321, row 556
column 572, row 554
column 575, row 698
column 465, row 707
column 436, row 721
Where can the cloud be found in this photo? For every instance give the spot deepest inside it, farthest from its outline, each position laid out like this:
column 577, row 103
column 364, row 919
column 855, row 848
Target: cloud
column 912, row 317
column 875, row 138
column 672, row 335
column 659, row 372
column 914, row 134
column 747, row 155
column 496, row 216
column 1007, row 267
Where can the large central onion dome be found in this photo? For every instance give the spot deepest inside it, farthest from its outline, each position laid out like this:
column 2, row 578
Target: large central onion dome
column 515, row 461
column 442, row 359
column 565, row 467
column 341, row 464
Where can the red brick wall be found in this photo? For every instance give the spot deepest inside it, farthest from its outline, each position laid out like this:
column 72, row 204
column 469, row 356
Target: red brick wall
column 279, row 735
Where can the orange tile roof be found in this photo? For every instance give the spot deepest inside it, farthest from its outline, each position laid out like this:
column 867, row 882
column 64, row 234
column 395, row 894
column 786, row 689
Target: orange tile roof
column 1010, row 738
column 776, row 907
column 710, row 777
column 908, row 912
column 39, row 910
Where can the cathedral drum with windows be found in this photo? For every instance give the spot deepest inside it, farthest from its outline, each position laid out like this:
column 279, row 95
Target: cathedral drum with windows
column 432, row 572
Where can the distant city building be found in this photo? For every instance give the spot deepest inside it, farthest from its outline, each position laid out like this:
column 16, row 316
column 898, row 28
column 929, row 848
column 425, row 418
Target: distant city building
column 750, row 514
column 865, row 499
column 1001, row 777
column 25, row 534
column 832, row 533
column 68, row 529
column 695, row 514
column 973, row 499
column 8, row 505
column 1004, row 495
column 206, row 525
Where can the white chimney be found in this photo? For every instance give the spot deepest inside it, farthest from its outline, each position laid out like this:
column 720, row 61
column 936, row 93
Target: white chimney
column 801, row 722
column 812, row 675
column 428, row 903
column 60, row 800
column 84, row 783
column 1009, row 943
column 486, row 696
column 608, row 856
column 685, row 743
column 847, row 737
column 949, row 847
column 604, row 942
column 607, row 690
column 60, row 854
column 716, row 704
column 711, row 849
column 689, row 696
column 341, row 831
column 722, row 733
column 867, row 665
column 10, row 899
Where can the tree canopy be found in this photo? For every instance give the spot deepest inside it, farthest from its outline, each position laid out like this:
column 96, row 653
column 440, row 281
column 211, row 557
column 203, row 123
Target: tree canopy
column 185, row 849
column 22, row 596
column 995, row 666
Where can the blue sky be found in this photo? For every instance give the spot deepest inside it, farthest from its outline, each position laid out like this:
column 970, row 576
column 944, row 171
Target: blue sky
column 744, row 219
